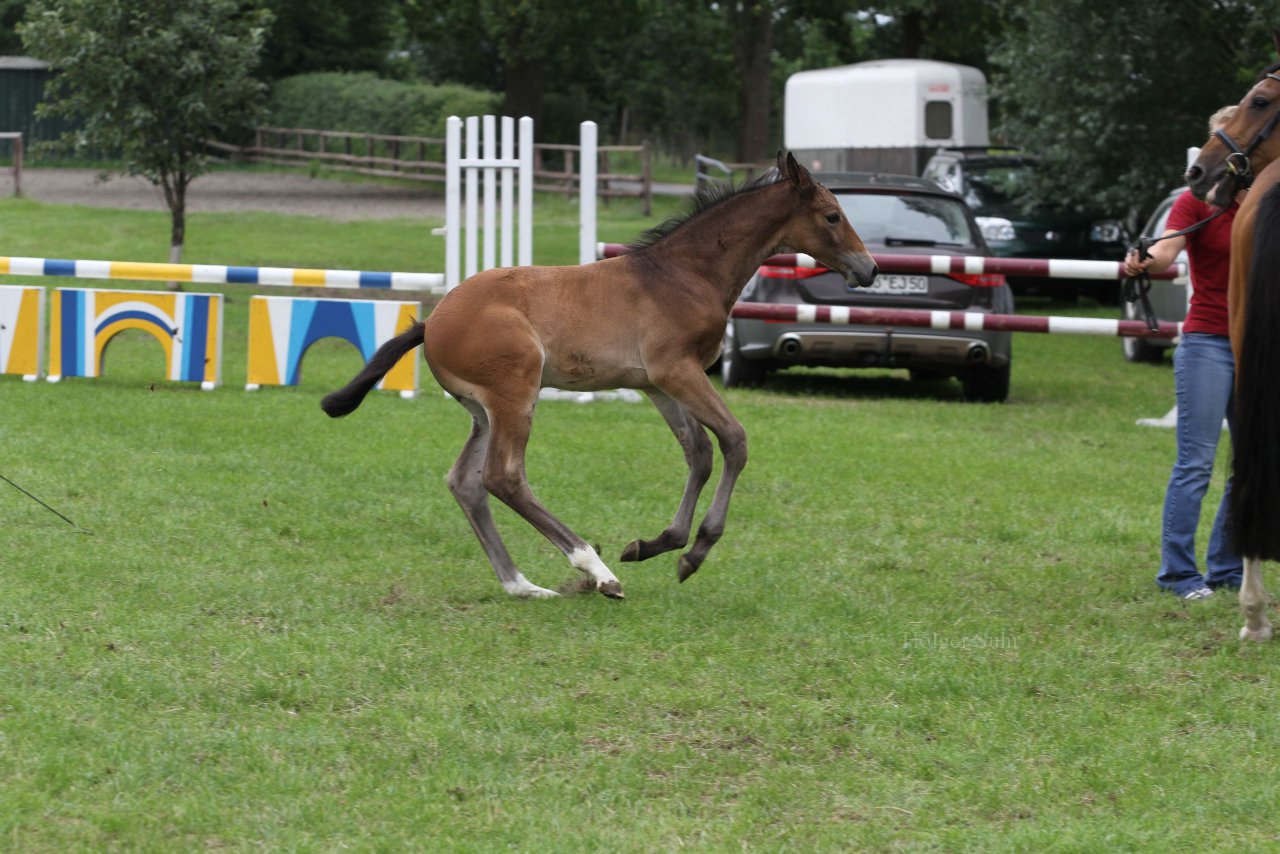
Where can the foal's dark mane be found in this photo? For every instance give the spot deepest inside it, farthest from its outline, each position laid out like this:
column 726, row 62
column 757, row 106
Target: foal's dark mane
column 1270, row 69
column 707, row 196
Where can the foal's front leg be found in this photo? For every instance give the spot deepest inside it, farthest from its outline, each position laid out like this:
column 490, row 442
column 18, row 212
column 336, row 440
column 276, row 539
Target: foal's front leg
column 688, row 384
column 1253, row 602
column 698, row 456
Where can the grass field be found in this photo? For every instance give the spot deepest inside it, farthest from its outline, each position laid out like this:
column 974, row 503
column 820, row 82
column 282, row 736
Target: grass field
column 930, row 626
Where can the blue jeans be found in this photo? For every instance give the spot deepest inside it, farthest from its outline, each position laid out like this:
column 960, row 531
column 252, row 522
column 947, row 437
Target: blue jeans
column 1204, row 374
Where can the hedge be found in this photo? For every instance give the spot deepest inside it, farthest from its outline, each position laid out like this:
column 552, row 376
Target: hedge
column 365, row 103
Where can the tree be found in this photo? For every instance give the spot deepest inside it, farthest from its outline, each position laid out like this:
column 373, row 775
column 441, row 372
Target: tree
column 752, row 24
column 329, row 35
column 10, row 14
column 150, row 80
column 525, row 47
column 1111, row 95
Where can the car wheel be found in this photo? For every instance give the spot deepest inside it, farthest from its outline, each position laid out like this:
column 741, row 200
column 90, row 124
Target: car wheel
column 986, row 384
column 1138, row 349
column 735, row 370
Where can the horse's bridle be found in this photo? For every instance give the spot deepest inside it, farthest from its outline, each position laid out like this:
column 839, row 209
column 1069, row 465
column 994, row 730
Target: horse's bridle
column 1240, row 168
column 1238, row 164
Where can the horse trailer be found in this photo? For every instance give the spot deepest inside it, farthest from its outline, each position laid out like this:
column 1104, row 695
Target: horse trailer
column 887, row 115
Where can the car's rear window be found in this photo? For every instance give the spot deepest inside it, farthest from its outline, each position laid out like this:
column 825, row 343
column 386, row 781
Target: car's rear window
column 889, row 219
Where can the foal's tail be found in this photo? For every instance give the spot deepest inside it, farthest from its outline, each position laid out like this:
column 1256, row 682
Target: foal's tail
column 347, row 398
column 1255, row 488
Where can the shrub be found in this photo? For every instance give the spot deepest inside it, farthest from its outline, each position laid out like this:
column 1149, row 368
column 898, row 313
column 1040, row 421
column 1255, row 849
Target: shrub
column 366, row 103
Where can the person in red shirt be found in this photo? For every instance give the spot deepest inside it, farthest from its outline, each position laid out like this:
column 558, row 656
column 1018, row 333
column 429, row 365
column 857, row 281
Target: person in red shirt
column 1204, row 377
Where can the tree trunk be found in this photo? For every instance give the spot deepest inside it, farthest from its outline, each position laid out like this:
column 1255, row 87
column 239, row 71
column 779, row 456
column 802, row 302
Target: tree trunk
column 522, row 92
column 175, row 196
column 177, row 234
column 752, row 23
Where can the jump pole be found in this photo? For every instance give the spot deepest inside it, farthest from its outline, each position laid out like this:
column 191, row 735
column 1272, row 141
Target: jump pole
column 970, row 321
column 215, row 274
column 973, row 265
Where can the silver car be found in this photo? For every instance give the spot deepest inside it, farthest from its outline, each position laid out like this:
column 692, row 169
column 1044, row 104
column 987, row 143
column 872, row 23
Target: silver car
column 893, row 214
column 1168, row 300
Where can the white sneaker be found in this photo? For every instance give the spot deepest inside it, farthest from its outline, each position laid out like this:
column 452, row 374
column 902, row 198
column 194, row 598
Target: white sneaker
column 1198, row 593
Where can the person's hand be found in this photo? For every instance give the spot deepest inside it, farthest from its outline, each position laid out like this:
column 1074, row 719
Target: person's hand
column 1132, row 266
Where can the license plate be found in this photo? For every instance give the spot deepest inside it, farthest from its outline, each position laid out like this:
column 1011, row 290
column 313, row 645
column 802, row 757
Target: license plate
column 892, row 283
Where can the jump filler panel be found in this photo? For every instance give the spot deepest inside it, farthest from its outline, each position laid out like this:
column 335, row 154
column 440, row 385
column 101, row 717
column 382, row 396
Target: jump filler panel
column 282, row 328
column 188, row 326
column 21, row 330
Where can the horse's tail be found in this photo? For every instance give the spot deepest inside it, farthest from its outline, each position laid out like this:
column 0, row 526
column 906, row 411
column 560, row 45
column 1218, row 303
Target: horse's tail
column 347, row 398
column 1255, row 487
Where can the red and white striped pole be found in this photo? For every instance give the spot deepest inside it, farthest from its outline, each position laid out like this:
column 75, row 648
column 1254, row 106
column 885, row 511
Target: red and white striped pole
column 974, row 265
column 970, row 321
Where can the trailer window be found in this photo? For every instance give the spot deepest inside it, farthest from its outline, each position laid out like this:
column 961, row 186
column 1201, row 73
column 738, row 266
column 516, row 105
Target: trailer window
column 937, row 119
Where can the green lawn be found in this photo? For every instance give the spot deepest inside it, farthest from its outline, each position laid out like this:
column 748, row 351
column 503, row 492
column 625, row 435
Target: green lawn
column 930, row 626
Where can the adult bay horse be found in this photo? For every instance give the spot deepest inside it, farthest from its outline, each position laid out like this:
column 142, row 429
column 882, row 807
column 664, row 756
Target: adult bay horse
column 1253, row 300
column 652, row 320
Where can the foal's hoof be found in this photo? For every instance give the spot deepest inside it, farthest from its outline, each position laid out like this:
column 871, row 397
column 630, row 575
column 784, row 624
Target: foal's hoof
column 685, row 568
column 1261, row 635
column 612, row 589
column 632, row 552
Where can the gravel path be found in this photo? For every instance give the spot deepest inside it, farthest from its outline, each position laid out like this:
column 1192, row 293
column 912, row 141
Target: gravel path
column 275, row 192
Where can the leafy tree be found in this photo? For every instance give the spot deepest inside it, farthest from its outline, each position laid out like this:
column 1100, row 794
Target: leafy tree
column 751, row 22
column 1111, row 95
column 947, row 30
column 10, row 14
column 673, row 77
column 150, row 80
column 330, row 35
column 522, row 47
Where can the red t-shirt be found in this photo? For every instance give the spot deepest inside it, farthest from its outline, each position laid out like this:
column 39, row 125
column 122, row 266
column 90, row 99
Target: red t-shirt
column 1209, row 250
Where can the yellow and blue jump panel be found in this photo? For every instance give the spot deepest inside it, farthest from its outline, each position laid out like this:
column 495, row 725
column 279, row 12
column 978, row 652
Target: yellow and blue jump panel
column 82, row 321
column 282, row 328
column 22, row 330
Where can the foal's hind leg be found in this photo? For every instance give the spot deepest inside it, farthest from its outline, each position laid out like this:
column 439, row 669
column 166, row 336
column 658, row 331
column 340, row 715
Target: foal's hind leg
column 698, row 455
column 504, row 477
column 466, row 483
column 1253, row 602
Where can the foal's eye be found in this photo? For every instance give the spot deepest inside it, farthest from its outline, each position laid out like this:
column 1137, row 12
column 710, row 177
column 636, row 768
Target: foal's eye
column 1260, row 103
column 833, row 219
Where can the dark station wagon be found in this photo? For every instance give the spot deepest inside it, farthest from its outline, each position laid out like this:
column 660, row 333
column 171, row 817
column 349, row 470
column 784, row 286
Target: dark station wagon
column 989, row 179
column 895, row 214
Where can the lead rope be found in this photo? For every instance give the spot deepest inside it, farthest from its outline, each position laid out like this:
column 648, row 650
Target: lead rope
column 78, row 530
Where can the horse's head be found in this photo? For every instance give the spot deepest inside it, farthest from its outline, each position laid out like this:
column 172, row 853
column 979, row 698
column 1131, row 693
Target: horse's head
column 1243, row 146
column 820, row 228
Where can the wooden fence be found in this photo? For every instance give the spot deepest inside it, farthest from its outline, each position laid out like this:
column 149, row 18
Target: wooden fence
column 16, row 169
column 420, row 158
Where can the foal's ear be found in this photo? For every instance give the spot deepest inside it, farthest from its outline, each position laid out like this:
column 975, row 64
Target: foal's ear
column 798, row 174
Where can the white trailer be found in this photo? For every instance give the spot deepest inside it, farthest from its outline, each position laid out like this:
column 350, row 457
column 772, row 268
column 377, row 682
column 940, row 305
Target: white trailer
column 887, row 115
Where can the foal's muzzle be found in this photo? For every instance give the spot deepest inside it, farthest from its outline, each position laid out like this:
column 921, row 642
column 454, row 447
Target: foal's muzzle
column 859, row 270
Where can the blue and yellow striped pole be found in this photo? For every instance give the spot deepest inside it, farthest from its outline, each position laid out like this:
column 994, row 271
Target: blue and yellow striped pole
column 217, row 274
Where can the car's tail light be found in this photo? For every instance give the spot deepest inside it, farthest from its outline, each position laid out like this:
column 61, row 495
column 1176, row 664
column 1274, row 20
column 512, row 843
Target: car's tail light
column 773, row 272
column 979, row 280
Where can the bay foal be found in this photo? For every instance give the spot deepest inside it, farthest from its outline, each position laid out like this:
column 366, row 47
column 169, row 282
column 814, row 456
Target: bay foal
column 652, row 320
